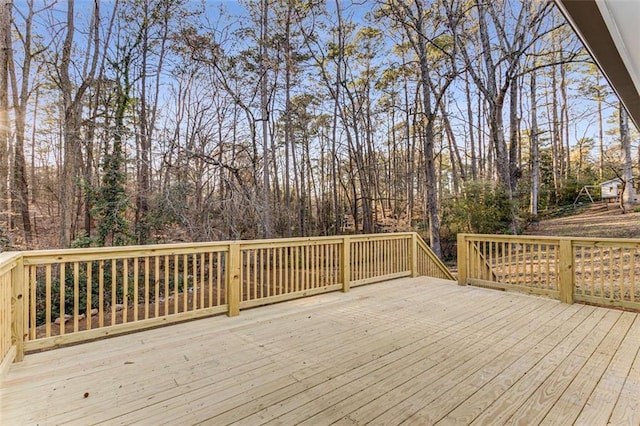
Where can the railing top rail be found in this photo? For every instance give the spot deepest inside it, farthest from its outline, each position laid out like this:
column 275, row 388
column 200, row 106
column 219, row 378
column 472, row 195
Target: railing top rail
column 502, row 237
column 580, row 240
column 152, row 249
column 8, row 260
column 127, row 252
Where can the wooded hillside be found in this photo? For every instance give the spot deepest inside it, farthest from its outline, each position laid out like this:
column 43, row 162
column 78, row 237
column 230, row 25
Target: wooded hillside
column 132, row 122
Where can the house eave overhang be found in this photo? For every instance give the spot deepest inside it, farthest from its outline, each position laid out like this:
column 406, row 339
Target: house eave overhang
column 610, row 30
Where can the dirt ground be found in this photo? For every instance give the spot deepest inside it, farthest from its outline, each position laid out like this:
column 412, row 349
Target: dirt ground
column 599, row 220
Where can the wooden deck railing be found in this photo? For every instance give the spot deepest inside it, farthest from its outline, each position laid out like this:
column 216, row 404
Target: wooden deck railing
column 11, row 346
column 600, row 271
column 54, row 297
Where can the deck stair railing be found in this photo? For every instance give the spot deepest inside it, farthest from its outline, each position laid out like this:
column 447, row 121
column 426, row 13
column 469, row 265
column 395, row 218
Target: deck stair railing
column 55, row 297
column 601, row 271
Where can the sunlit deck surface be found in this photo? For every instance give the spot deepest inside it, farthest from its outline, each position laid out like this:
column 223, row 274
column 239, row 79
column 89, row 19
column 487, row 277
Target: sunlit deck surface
column 419, row 351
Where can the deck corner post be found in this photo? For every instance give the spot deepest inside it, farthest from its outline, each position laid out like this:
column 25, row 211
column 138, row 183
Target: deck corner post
column 18, row 291
column 414, row 255
column 462, row 259
column 345, row 264
column 566, row 281
column 233, row 279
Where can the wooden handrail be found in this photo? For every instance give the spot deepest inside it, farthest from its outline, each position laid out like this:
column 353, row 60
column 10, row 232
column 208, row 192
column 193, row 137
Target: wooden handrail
column 426, row 250
column 599, row 271
column 11, row 310
column 97, row 292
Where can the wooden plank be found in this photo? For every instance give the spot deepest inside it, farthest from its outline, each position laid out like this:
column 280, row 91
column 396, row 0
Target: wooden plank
column 609, row 302
column 43, row 257
column 345, row 264
column 521, row 357
column 5, row 363
column 463, row 259
column 420, row 369
column 378, row 279
column 331, row 376
column 565, row 255
column 521, row 289
column 18, row 300
column 76, row 295
column 156, row 290
column 560, row 342
column 211, row 395
column 336, row 356
column 414, row 403
column 32, row 302
column 551, row 370
column 577, row 380
column 62, row 278
column 146, row 284
column 136, row 289
column 373, row 289
column 114, row 290
column 267, row 300
column 233, row 279
column 89, row 306
column 47, row 300
column 113, row 330
column 602, row 400
column 627, row 408
column 632, row 272
column 237, row 380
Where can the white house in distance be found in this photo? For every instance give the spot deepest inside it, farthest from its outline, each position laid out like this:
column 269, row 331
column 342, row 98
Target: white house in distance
column 610, row 190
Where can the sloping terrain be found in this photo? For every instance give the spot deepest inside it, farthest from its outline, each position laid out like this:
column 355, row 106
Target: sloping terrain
column 599, row 220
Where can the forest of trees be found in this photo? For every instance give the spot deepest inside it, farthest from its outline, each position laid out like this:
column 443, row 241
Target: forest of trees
column 144, row 121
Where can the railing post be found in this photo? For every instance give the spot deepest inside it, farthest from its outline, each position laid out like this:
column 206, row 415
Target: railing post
column 233, row 279
column 414, row 254
column 462, row 259
column 565, row 260
column 345, row 264
column 17, row 309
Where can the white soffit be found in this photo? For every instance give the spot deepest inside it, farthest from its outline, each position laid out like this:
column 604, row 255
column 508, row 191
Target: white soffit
column 610, row 30
column 622, row 18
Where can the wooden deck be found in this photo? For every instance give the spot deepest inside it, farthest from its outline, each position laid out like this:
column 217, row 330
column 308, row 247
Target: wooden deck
column 415, row 350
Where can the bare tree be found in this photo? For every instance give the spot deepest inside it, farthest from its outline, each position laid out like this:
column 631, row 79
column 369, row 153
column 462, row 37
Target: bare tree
column 73, row 93
column 413, row 18
column 6, row 59
column 628, row 193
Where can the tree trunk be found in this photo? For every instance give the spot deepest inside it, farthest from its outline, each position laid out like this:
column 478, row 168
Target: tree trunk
column 535, row 159
column 5, row 129
column 628, row 194
column 428, row 145
column 472, row 146
column 264, row 106
column 72, row 121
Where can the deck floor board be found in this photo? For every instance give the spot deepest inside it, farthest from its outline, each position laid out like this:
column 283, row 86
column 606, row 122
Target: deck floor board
column 411, row 351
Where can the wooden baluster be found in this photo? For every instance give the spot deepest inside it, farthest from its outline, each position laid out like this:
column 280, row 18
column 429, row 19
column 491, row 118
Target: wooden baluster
column 114, row 290
column 167, row 266
column 218, row 278
column 76, row 296
column 156, row 286
column 210, row 281
column 135, row 297
column 125, row 291
column 32, row 301
column 176, row 279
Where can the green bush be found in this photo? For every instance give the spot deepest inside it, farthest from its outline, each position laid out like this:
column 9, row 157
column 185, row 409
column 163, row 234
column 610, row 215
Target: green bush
column 184, row 282
column 483, row 208
column 69, row 290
